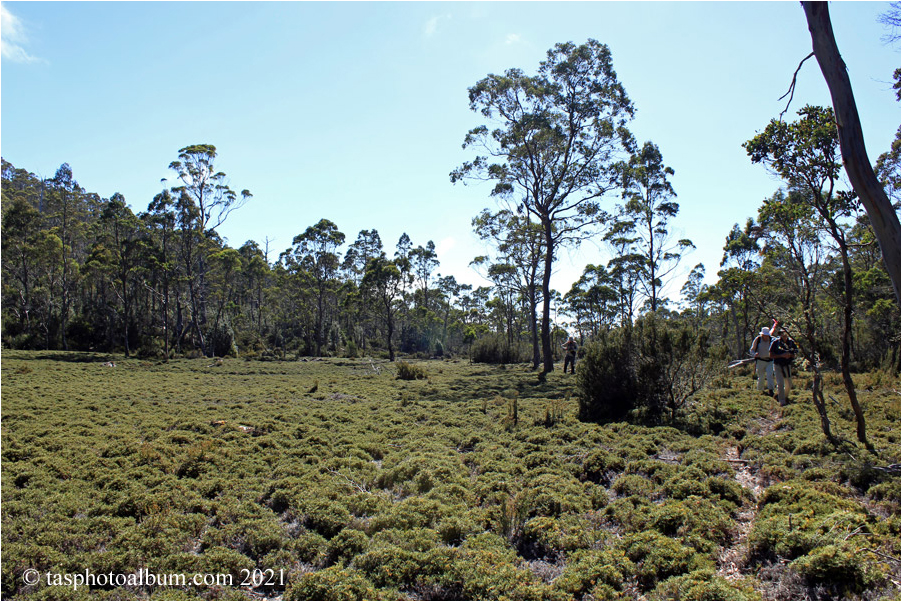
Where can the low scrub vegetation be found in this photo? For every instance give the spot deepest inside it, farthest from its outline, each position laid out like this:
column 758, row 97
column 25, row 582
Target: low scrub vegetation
column 353, row 483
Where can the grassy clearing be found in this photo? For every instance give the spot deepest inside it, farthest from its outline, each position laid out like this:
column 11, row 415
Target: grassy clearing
column 473, row 482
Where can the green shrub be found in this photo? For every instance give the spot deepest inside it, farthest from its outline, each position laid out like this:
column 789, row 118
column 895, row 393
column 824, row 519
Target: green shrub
column 408, row 371
column 344, row 546
column 727, row 490
column 486, row 568
column 546, row 537
column 796, row 517
column 703, row 585
column 224, row 560
column 600, row 465
column 587, row 569
column 551, row 495
column 658, row 557
column 410, row 513
column 333, row 583
column 633, row 484
column 652, row 367
column 322, row 515
column 606, row 382
column 453, row 530
column 632, row 513
column 493, row 349
column 842, row 567
column 389, row 565
column 222, row 341
column 433, row 501
column 694, row 521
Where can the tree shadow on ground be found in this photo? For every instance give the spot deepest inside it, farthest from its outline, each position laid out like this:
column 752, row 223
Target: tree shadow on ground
column 87, row 357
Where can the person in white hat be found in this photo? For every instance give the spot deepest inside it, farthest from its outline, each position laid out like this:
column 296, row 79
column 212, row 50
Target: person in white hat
column 764, row 363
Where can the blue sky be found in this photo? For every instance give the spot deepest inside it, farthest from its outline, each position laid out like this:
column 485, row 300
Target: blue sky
column 356, row 112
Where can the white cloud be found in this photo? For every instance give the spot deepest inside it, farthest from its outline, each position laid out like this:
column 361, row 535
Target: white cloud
column 12, row 38
column 445, row 245
column 512, row 38
column 432, row 24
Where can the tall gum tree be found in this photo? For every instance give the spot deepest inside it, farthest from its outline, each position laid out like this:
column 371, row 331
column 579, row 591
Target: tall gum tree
column 385, row 281
column 851, row 140
column 204, row 202
column 316, row 251
column 556, row 140
column 520, row 243
column 649, row 207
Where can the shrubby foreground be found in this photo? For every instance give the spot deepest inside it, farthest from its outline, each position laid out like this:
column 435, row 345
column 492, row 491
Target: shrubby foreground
column 475, row 482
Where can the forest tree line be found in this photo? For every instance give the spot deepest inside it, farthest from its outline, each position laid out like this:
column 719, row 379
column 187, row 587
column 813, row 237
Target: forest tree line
column 82, row 272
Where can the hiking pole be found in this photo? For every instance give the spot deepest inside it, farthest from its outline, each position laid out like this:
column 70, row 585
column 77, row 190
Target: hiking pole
column 741, row 362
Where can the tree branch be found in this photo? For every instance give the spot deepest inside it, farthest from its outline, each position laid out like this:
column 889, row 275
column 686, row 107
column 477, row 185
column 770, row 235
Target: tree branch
column 792, row 86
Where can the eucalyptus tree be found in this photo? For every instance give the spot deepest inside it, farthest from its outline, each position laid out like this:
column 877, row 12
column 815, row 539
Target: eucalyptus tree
column 554, row 142
column 649, row 205
column 119, row 248
column 424, row 262
column 791, row 231
column 806, row 154
column 739, row 277
column 162, row 260
column 21, row 255
column 520, row 243
column 367, row 246
column 887, row 170
column 316, row 251
column 67, row 215
column 593, row 300
column 693, row 292
column 450, row 289
column 402, row 259
column 204, row 202
column 357, row 301
column 384, row 281
column 625, row 267
column 507, row 291
column 255, row 276
column 880, row 211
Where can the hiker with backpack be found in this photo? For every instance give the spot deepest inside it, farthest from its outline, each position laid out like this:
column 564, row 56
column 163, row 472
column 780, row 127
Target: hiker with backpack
column 764, row 363
column 783, row 350
column 570, row 348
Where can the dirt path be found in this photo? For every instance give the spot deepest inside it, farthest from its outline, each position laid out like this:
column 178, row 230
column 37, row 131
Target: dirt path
column 733, row 558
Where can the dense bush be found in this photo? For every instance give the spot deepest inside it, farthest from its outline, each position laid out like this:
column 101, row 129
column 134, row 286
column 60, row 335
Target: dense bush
column 651, row 368
column 658, row 557
column 606, row 380
column 599, row 573
column 840, row 567
column 408, row 371
column 334, row 583
column 703, row 585
column 494, row 349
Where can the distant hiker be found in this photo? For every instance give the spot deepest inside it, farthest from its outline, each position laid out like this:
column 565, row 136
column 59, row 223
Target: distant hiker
column 783, row 351
column 570, row 356
column 764, row 364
